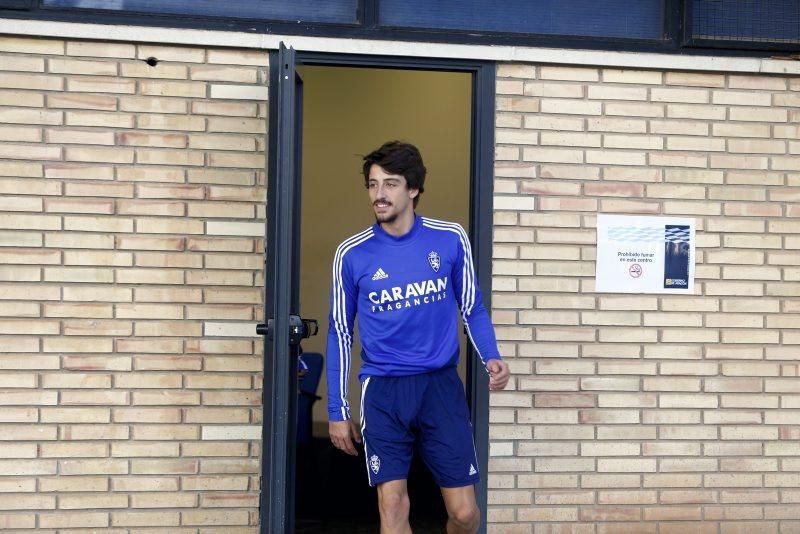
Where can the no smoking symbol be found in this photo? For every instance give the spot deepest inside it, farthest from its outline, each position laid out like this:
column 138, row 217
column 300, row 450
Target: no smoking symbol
column 635, row 270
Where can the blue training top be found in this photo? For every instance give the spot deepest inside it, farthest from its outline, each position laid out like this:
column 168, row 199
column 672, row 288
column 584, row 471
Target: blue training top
column 405, row 291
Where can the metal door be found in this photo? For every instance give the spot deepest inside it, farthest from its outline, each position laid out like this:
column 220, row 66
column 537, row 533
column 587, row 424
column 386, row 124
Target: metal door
column 283, row 329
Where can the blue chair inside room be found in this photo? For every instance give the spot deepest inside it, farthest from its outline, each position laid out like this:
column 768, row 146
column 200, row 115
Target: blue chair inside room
column 307, row 394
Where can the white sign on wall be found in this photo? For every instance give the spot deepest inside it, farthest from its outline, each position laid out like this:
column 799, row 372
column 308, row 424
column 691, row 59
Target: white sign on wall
column 644, row 254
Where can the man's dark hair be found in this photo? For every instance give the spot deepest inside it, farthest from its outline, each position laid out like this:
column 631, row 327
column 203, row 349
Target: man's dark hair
column 397, row 157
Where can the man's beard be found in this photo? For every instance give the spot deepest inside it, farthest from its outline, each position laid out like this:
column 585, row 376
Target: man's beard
column 388, row 218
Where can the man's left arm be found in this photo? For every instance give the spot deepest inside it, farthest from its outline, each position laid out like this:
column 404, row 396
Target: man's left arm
column 476, row 319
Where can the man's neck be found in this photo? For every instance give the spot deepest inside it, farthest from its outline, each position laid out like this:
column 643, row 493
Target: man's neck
column 400, row 226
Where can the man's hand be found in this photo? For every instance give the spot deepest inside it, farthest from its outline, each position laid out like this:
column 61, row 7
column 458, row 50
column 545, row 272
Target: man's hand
column 498, row 374
column 342, row 435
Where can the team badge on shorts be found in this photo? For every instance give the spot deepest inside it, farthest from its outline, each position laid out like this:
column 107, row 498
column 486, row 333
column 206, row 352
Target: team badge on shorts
column 375, row 463
column 435, row 261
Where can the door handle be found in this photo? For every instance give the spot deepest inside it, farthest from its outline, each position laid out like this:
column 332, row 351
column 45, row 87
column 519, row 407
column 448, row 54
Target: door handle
column 299, row 329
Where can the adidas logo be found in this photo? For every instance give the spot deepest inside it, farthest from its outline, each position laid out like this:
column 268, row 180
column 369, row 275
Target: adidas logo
column 472, row 470
column 379, row 275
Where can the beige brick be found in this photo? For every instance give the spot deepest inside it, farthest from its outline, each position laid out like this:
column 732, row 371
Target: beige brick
column 571, row 107
column 73, row 450
column 568, row 73
column 97, row 84
column 168, row 157
column 98, row 154
column 138, row 483
column 236, row 159
column 32, row 81
column 94, row 397
column 144, row 207
column 82, row 101
column 145, row 398
column 230, row 363
column 76, row 380
column 779, row 131
column 100, row 49
column 509, row 87
column 20, row 133
column 147, row 381
column 177, row 466
column 515, row 70
column 240, row 125
column 171, row 53
column 160, row 70
column 167, row 226
column 154, row 140
column 550, row 89
column 247, row 92
column 756, row 146
column 151, row 104
column 21, row 98
column 151, row 174
column 81, row 66
column 632, row 76
column 223, row 142
column 81, row 502
column 692, row 96
column 549, row 122
column 13, row 151
column 164, row 500
column 758, row 114
column 227, row 109
column 99, row 118
column 29, row 222
column 144, row 449
column 695, row 79
column 741, row 98
column 29, row 116
column 173, row 88
column 74, row 520
column 608, row 92
column 171, row 122
column 166, row 432
column 680, row 111
column 244, row 194
column 231, row 56
column 679, row 127
column 694, row 143
column 757, row 82
column 151, row 276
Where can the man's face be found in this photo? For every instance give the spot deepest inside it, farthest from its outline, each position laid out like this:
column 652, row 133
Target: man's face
column 389, row 194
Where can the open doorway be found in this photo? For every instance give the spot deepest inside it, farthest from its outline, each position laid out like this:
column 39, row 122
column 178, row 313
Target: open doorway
column 347, row 112
column 284, row 329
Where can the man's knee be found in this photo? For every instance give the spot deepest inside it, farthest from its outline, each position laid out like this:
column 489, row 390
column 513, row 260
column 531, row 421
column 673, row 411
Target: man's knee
column 394, row 506
column 465, row 516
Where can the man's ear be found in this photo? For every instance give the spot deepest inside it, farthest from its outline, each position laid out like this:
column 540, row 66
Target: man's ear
column 413, row 193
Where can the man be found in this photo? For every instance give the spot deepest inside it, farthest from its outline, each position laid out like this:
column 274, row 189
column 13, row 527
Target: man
column 406, row 277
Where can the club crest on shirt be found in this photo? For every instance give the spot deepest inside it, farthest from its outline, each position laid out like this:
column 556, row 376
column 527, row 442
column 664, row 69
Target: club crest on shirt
column 434, row 260
column 375, row 463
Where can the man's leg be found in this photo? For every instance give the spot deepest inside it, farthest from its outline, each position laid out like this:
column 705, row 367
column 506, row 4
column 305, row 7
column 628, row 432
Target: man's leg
column 394, row 506
column 463, row 516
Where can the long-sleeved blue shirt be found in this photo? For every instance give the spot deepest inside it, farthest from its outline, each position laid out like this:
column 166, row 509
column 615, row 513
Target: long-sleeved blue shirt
column 406, row 292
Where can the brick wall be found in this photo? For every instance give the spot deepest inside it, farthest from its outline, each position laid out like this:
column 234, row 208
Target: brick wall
column 131, row 240
column 647, row 413
column 131, row 225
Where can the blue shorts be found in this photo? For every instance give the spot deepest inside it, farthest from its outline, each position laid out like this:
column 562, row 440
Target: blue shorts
column 427, row 411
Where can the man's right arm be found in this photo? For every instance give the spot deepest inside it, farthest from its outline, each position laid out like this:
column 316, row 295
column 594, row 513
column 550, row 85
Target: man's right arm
column 344, row 295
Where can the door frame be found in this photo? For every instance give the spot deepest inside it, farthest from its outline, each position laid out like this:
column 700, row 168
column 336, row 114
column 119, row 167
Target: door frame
column 480, row 234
